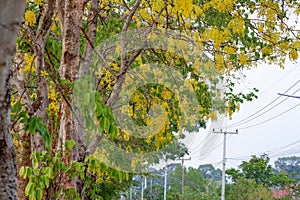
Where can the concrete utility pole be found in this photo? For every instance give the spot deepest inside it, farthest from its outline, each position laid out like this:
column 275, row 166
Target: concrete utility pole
column 130, row 193
column 165, row 181
column 142, row 192
column 224, row 159
column 182, row 175
column 151, row 188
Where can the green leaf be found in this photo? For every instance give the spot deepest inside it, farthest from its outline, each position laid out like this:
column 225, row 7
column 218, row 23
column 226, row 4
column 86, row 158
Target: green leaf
column 39, row 193
column 70, row 144
column 41, row 183
column 23, row 172
column 29, row 188
column 48, row 171
column 81, row 175
column 104, row 123
column 46, row 181
column 32, row 196
column 113, row 131
column 36, row 172
column 33, row 179
column 17, row 106
column 29, row 172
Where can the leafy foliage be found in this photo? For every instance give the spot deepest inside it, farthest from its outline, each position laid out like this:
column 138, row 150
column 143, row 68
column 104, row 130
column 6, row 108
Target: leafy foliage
column 259, row 170
column 195, row 185
column 289, row 165
column 249, row 189
column 209, row 172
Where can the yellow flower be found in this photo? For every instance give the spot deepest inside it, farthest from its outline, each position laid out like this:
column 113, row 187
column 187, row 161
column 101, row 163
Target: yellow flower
column 33, row 96
column 30, row 18
column 52, row 95
column 222, row 5
column 267, row 50
column 53, row 108
column 260, row 27
column 230, row 50
column 29, row 67
column 38, row 1
column 243, row 59
column 219, row 62
column 237, row 25
column 53, row 27
column 44, row 74
column 213, row 116
column 126, row 136
column 183, row 7
column 293, row 54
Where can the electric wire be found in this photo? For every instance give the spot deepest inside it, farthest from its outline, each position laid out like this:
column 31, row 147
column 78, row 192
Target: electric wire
column 252, row 115
column 283, row 147
column 245, row 120
column 283, row 77
column 277, row 152
column 274, row 117
column 251, row 119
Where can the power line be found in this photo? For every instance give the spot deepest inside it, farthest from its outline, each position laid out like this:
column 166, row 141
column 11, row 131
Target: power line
column 214, row 138
column 274, row 152
column 251, row 119
column 294, row 150
column 281, row 148
column 278, row 81
column 247, row 118
column 276, row 116
column 214, row 148
column 297, row 97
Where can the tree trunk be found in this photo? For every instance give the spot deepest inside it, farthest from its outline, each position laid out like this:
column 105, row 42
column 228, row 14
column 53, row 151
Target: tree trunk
column 10, row 17
column 70, row 15
column 39, row 47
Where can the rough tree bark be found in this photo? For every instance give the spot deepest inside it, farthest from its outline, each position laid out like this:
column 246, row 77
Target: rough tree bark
column 70, row 13
column 10, row 18
column 39, row 46
column 38, row 107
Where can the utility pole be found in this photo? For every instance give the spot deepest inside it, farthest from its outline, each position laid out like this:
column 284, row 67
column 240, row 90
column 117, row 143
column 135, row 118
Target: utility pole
column 130, row 193
column 224, row 159
column 142, row 192
column 151, row 188
column 165, row 182
column 182, row 175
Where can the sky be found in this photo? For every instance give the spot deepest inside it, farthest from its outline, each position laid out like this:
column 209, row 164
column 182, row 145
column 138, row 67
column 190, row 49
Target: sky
column 278, row 137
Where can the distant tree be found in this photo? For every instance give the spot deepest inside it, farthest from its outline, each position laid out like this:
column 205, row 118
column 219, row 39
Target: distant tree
column 208, row 171
column 290, row 165
column 156, row 194
column 259, row 170
column 195, row 185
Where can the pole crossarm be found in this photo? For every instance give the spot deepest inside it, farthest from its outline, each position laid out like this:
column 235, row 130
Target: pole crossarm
column 225, row 132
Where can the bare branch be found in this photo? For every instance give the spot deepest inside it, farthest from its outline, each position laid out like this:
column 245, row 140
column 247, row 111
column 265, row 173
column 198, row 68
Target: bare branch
column 90, row 37
column 129, row 17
